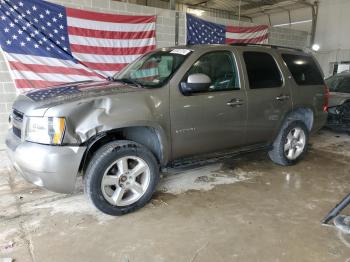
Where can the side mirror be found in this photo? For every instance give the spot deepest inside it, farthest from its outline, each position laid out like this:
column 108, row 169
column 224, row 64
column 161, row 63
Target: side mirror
column 196, row 83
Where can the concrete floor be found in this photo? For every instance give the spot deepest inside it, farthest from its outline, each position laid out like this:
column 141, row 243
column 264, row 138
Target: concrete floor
column 246, row 209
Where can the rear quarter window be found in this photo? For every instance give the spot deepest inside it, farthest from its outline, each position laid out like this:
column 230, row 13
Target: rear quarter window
column 303, row 69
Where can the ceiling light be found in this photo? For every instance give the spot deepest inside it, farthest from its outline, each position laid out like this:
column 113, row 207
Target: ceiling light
column 315, row 47
column 299, row 62
column 293, row 23
column 196, row 12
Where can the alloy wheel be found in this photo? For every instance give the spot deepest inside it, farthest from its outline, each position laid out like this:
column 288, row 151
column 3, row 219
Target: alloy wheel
column 125, row 181
column 295, row 144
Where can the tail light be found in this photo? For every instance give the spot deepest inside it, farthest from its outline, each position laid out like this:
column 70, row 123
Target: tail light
column 326, row 99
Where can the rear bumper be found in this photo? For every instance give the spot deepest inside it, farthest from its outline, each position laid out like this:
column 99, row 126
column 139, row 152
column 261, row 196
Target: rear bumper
column 319, row 121
column 52, row 167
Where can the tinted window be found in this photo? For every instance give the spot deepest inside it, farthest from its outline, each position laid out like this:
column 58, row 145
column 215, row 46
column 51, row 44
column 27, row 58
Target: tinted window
column 332, row 82
column 303, row 69
column 220, row 67
column 344, row 86
column 339, row 83
column 262, row 70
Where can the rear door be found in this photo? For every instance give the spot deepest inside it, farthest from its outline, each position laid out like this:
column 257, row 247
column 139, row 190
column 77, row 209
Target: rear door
column 269, row 96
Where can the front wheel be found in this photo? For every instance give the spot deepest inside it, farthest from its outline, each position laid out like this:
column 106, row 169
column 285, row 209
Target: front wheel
column 121, row 177
column 291, row 144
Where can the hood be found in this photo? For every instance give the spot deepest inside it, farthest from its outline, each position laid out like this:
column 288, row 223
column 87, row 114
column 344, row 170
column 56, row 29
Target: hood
column 37, row 101
column 336, row 98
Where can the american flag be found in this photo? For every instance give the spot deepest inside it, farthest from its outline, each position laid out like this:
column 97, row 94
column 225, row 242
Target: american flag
column 47, row 44
column 148, row 71
column 200, row 31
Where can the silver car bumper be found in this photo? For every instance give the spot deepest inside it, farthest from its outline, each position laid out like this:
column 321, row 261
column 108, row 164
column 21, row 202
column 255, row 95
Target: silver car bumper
column 51, row 167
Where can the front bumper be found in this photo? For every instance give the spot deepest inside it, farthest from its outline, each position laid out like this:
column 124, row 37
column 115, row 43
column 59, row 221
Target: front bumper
column 52, row 167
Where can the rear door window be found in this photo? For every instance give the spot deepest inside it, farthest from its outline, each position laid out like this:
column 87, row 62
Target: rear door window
column 303, row 69
column 262, row 70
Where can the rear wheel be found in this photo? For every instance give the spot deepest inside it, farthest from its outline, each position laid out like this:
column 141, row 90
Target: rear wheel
column 291, row 144
column 121, row 177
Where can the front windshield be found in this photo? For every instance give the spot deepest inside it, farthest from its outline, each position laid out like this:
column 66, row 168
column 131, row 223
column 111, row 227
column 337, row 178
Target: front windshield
column 339, row 84
column 153, row 69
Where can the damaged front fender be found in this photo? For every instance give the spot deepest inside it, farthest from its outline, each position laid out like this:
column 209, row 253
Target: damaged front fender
column 88, row 118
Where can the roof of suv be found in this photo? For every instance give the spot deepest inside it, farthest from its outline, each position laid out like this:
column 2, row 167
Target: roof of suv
column 239, row 45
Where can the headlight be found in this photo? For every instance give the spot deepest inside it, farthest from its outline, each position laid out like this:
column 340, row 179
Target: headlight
column 45, row 130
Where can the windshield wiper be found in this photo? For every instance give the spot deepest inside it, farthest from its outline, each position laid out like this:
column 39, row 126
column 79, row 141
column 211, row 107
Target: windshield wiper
column 128, row 81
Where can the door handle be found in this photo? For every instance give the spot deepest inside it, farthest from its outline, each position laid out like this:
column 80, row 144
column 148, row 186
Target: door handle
column 282, row 97
column 235, row 102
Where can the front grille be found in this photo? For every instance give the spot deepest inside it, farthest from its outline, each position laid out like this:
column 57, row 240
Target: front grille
column 17, row 120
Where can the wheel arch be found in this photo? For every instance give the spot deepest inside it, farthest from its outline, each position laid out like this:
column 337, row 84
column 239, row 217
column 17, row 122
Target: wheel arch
column 303, row 114
column 151, row 137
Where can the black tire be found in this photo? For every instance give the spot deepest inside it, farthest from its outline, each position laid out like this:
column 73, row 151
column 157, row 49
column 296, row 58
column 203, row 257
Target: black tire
column 102, row 160
column 278, row 154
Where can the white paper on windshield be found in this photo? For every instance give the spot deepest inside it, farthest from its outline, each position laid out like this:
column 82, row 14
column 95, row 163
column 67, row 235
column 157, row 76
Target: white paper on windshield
column 180, row 51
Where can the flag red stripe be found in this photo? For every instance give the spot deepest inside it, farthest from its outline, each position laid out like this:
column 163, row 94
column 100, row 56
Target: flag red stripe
column 246, row 29
column 26, row 83
column 85, row 49
column 128, row 19
column 110, row 34
column 247, row 40
column 106, row 66
column 50, row 69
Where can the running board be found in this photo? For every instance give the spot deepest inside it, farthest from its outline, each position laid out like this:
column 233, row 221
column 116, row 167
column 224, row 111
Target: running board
column 214, row 157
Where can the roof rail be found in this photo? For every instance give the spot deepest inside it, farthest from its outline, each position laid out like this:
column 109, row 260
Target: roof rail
column 267, row 45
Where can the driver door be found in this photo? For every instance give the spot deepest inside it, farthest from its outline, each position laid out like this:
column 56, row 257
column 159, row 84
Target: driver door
column 213, row 119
